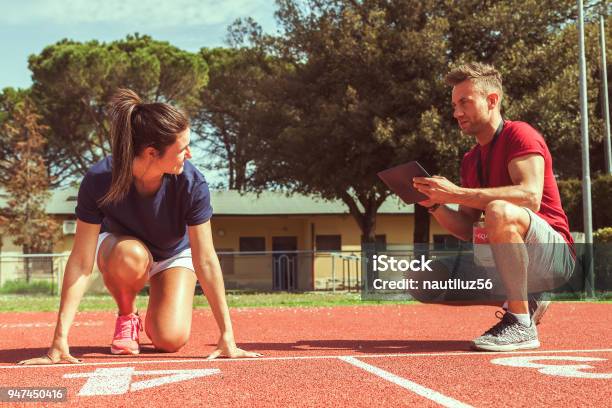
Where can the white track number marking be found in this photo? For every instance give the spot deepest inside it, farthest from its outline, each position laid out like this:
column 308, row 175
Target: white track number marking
column 116, row 381
column 565, row 370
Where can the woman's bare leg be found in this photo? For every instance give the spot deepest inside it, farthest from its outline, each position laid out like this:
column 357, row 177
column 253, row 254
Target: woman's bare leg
column 124, row 262
column 168, row 321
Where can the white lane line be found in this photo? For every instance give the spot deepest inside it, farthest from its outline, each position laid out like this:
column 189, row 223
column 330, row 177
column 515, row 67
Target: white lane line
column 36, row 325
column 407, row 384
column 227, row 360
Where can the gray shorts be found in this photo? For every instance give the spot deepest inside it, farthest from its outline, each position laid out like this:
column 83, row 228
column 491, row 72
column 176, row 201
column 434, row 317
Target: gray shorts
column 182, row 259
column 551, row 263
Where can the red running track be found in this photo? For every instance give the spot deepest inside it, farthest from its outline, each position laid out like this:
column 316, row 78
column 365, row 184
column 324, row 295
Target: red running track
column 399, row 355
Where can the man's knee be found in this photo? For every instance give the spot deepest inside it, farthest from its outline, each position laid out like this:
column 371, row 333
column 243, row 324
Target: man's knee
column 501, row 215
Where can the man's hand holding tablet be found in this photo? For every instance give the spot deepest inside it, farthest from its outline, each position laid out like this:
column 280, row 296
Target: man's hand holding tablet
column 438, row 189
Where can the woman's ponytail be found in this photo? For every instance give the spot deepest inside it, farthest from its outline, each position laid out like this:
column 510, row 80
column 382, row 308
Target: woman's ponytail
column 122, row 107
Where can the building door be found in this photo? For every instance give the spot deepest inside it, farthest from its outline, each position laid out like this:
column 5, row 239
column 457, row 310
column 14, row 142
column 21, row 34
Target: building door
column 284, row 266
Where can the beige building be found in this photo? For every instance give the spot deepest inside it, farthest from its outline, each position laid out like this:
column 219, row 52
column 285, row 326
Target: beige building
column 272, row 241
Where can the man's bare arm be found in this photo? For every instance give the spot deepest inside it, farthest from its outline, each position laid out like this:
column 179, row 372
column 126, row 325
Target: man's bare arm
column 526, row 172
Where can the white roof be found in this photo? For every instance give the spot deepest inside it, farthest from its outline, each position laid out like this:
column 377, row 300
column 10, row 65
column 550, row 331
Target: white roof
column 231, row 202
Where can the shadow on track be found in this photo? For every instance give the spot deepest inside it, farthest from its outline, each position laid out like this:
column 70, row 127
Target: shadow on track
column 16, row 355
column 12, row 356
column 364, row 346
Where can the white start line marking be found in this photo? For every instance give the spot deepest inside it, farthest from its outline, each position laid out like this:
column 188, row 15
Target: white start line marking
column 565, row 370
column 117, row 381
column 46, row 324
column 462, row 354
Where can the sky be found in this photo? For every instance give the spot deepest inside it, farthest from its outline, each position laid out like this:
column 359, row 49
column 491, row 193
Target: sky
column 27, row 26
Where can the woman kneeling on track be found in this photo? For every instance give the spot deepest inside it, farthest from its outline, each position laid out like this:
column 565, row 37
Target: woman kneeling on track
column 143, row 214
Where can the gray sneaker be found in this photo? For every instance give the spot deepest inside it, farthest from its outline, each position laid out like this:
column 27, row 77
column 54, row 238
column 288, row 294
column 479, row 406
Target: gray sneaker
column 537, row 307
column 508, row 335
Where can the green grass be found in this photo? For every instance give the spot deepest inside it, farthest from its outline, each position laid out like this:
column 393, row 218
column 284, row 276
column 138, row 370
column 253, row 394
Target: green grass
column 21, row 287
column 602, row 297
column 45, row 303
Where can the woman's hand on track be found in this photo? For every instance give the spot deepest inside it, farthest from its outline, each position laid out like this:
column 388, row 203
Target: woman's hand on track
column 58, row 353
column 226, row 347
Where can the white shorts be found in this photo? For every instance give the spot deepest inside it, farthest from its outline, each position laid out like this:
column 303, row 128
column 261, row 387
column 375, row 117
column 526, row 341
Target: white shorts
column 182, row 259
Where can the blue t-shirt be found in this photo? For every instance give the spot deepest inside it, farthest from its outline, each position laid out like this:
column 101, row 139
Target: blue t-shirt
column 160, row 220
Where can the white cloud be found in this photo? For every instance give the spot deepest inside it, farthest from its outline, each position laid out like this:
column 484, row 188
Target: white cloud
column 154, row 14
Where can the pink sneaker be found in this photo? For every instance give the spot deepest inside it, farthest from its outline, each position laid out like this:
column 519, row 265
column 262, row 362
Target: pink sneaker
column 125, row 340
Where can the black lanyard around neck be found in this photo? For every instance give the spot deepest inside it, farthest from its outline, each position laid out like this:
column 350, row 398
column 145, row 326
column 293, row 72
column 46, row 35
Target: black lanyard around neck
column 484, row 181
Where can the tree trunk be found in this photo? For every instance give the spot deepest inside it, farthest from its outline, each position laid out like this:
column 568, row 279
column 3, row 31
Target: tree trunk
column 240, row 179
column 421, row 225
column 421, row 231
column 368, row 248
column 368, row 226
column 230, row 172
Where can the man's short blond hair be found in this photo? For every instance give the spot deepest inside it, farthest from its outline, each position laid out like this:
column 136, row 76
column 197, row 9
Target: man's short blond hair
column 484, row 76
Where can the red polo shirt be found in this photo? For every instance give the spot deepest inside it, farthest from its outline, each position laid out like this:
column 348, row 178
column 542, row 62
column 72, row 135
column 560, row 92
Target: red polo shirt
column 516, row 139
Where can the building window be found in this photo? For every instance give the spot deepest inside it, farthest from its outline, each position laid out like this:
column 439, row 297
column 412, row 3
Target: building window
column 443, row 241
column 329, row 243
column 252, row 244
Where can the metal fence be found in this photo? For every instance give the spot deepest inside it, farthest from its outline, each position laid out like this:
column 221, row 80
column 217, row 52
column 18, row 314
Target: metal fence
column 291, row 270
column 258, row 271
column 261, row 271
column 35, row 273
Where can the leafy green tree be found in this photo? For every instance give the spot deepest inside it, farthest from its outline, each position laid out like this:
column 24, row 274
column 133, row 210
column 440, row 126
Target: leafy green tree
column 236, row 108
column 73, row 82
column 366, row 90
column 542, row 88
column 359, row 96
column 10, row 99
